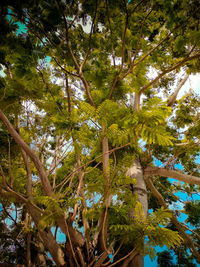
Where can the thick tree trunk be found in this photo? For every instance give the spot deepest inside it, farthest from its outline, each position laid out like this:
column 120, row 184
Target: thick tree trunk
column 48, row 239
column 138, row 261
column 136, row 172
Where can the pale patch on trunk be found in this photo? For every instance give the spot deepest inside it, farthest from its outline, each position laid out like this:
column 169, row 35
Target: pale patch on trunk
column 136, row 172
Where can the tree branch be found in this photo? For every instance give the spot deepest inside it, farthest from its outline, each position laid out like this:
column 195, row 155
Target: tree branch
column 150, row 170
column 90, row 38
column 173, row 96
column 41, row 172
column 178, row 225
column 122, row 56
column 78, row 68
column 139, row 40
column 29, row 174
column 145, row 56
column 63, row 69
column 89, row 162
column 176, row 66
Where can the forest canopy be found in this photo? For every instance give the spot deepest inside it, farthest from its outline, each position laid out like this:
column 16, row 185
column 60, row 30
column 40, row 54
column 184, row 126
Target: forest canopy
column 92, row 130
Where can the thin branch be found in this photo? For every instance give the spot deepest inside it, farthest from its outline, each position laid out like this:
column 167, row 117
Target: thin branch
column 145, row 56
column 67, row 38
column 168, row 36
column 102, row 258
column 62, row 68
column 105, row 264
column 19, row 196
column 81, row 175
column 126, row 256
column 192, row 231
column 48, row 88
column 139, row 40
column 124, row 37
column 176, row 66
column 122, row 56
column 94, row 167
column 8, row 214
column 89, row 162
column 111, row 33
column 74, row 58
column 5, row 182
column 55, row 159
column 68, row 93
column 81, row 257
column 27, row 166
column 29, row 174
column 90, row 38
column 114, row 85
column 9, row 70
column 61, row 158
column 130, row 258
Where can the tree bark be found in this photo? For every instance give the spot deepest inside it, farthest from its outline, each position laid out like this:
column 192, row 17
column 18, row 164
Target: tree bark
column 136, row 172
column 103, row 220
column 187, row 239
column 48, row 239
column 173, row 97
column 151, row 170
column 41, row 172
column 78, row 238
column 137, row 101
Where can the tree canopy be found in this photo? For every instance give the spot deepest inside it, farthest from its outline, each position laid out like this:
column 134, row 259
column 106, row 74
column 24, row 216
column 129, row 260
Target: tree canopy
column 88, row 107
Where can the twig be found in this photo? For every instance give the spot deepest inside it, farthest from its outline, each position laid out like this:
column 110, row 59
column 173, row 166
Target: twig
column 86, row 164
column 90, row 38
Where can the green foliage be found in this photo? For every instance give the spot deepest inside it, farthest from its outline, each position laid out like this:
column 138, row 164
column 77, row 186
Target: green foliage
column 153, row 116
column 152, row 228
column 51, row 208
column 165, row 259
column 86, row 85
column 192, row 209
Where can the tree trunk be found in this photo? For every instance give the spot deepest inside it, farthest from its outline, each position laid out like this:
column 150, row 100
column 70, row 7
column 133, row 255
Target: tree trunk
column 48, row 239
column 136, row 172
column 138, row 261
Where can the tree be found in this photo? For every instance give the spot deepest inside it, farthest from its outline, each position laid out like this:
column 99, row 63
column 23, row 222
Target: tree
column 80, row 134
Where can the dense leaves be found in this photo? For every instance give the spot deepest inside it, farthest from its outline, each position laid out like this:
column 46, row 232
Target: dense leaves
column 91, row 87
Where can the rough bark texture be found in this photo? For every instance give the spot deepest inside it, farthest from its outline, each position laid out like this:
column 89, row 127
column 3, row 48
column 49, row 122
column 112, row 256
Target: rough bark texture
column 136, row 172
column 48, row 239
